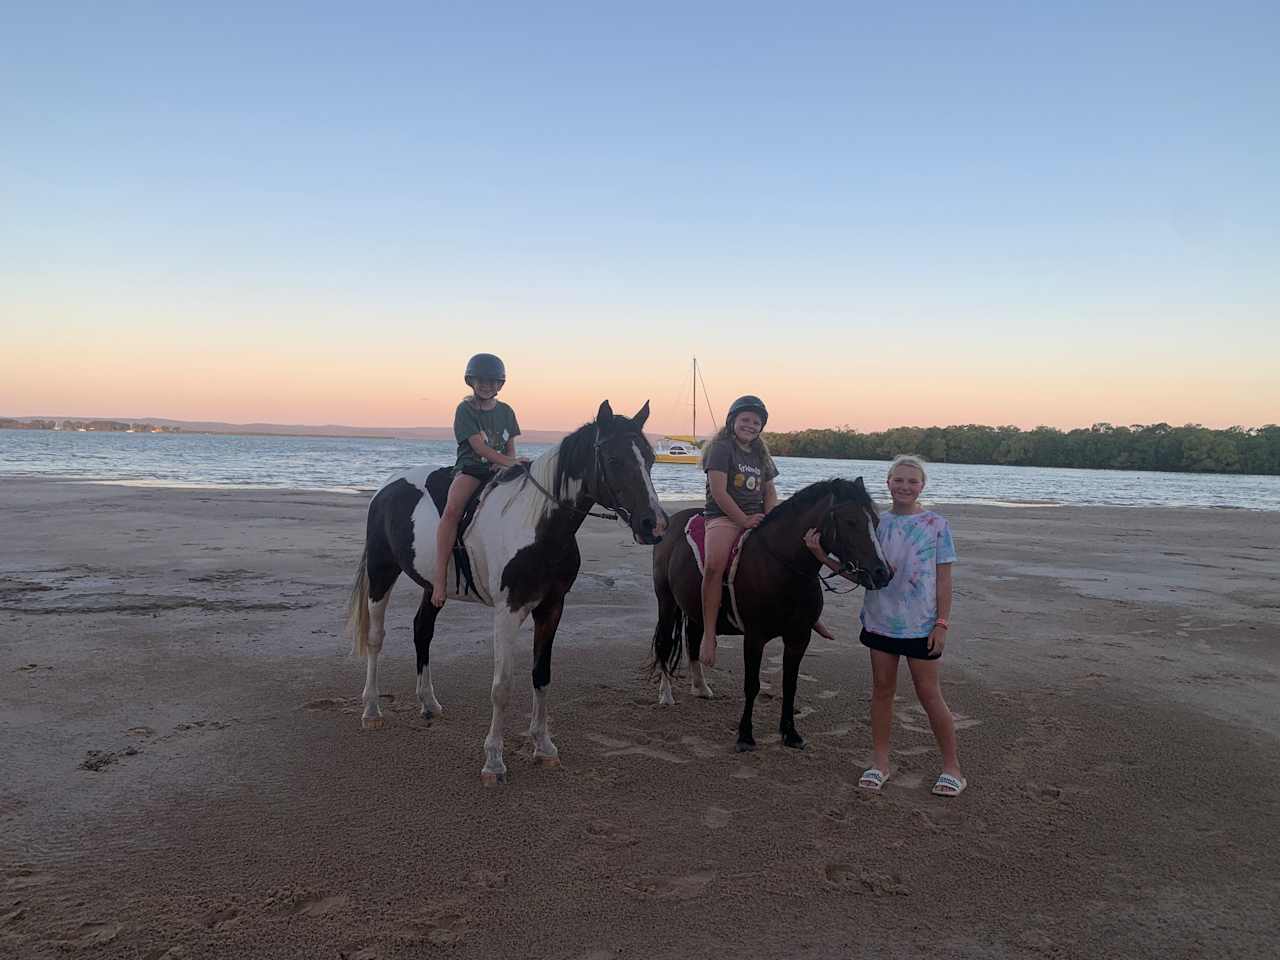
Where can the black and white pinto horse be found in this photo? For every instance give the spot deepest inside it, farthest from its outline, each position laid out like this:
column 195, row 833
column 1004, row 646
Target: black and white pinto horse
column 524, row 558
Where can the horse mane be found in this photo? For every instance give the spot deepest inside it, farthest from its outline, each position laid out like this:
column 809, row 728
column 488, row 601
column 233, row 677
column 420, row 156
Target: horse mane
column 576, row 452
column 844, row 491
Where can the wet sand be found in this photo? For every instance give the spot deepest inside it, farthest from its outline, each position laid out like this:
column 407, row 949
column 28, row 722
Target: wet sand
column 185, row 774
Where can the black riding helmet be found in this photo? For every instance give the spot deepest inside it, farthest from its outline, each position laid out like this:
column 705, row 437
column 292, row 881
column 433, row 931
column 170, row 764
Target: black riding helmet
column 485, row 366
column 748, row 402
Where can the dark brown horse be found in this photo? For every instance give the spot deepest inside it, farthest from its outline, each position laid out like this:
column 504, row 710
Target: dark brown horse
column 776, row 587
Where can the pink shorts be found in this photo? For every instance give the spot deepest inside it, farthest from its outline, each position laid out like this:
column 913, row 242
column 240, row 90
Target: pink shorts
column 715, row 523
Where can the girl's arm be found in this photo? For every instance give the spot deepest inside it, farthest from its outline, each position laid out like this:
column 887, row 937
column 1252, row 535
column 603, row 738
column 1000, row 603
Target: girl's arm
column 511, row 452
column 770, row 497
column 813, row 540
column 488, row 453
column 938, row 635
column 719, row 481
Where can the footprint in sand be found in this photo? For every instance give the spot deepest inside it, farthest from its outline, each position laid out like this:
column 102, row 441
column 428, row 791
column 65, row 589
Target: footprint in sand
column 23, row 876
column 326, row 703
column 609, row 834
column 487, row 879
column 625, row 748
column 681, row 888
column 95, row 760
column 221, row 919
column 716, row 817
column 828, row 694
column 744, row 773
column 913, row 751
column 304, row 903
column 94, row 934
column 441, row 928
column 864, row 881
column 700, row 748
column 907, row 781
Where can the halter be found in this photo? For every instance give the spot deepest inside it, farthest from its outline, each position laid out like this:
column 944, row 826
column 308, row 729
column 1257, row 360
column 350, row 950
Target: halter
column 846, row 566
column 599, row 474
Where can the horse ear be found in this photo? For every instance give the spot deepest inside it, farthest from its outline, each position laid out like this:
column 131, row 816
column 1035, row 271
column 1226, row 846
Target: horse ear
column 604, row 416
column 859, row 485
column 642, row 416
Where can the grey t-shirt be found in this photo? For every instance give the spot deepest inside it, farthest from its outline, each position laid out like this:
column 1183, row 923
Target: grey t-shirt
column 498, row 425
column 746, row 473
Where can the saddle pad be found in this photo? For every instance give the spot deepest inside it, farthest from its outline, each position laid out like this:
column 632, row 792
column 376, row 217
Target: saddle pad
column 695, row 532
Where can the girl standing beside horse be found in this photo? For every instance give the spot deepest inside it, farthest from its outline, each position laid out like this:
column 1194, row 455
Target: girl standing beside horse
column 908, row 618
column 486, row 431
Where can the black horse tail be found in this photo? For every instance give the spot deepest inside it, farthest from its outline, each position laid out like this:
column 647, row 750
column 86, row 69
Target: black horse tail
column 667, row 639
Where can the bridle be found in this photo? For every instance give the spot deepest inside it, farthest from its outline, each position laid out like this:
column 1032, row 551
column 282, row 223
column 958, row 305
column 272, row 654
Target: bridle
column 598, row 476
column 846, row 566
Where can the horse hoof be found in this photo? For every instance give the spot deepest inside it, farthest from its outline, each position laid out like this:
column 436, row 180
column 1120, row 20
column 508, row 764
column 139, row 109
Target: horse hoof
column 435, row 714
column 746, row 746
column 704, row 693
column 372, row 723
column 793, row 740
column 666, row 699
column 488, row 779
column 541, row 760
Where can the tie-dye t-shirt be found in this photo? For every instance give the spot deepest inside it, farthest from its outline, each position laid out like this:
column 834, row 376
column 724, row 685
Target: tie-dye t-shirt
column 913, row 543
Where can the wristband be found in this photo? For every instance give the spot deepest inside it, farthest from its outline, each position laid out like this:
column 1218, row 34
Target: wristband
column 941, row 623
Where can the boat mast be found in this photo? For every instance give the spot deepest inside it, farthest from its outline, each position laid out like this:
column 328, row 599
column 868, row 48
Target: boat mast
column 695, row 399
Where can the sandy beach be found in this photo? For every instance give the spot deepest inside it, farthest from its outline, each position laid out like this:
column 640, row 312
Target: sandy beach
column 185, row 774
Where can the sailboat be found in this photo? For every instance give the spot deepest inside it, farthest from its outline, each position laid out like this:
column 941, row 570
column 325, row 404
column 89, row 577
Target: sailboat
column 685, row 448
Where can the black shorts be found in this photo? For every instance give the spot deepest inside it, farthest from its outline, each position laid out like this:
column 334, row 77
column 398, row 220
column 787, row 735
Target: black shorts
column 479, row 471
column 915, row 647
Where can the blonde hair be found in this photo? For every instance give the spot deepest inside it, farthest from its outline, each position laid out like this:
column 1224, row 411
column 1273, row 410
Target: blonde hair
column 909, row 460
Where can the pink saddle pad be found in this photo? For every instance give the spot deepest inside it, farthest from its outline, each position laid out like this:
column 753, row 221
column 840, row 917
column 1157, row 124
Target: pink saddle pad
column 695, row 531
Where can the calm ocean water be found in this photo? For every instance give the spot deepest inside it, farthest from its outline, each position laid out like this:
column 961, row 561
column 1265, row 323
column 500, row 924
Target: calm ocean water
column 344, row 464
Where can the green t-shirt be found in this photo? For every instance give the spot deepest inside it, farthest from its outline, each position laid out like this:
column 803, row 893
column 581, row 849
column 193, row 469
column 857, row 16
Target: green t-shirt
column 498, row 426
column 746, row 473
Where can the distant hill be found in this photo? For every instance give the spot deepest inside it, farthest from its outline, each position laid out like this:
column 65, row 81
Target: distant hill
column 298, row 429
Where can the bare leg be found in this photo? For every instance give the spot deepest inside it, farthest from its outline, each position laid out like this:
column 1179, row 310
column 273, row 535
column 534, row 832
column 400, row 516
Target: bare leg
column 719, row 542
column 925, row 676
column 460, row 492
column 884, row 676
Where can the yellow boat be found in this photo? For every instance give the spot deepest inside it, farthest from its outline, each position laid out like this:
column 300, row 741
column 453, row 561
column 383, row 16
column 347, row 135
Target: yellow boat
column 677, row 449
column 684, row 448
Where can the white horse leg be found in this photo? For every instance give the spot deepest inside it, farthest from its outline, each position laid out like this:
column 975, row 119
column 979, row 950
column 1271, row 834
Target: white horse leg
column 505, row 626
column 699, row 684
column 544, row 751
column 372, row 718
column 427, row 695
column 665, row 697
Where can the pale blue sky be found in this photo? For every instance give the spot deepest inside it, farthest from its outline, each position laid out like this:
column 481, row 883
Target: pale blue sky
column 1011, row 171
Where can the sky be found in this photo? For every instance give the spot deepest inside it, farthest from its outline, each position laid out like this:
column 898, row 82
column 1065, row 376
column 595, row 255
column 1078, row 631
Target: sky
column 870, row 215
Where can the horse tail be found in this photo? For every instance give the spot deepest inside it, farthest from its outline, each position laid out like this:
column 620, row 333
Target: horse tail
column 667, row 639
column 358, row 607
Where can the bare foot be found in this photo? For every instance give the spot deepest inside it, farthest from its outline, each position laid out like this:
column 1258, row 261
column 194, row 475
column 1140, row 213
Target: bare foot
column 821, row 630
column 438, row 595
column 707, row 653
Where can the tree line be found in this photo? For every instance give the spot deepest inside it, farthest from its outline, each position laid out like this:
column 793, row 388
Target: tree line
column 1158, row 446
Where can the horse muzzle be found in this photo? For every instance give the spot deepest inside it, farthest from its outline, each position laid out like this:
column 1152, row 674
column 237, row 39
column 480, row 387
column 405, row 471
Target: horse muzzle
column 649, row 528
